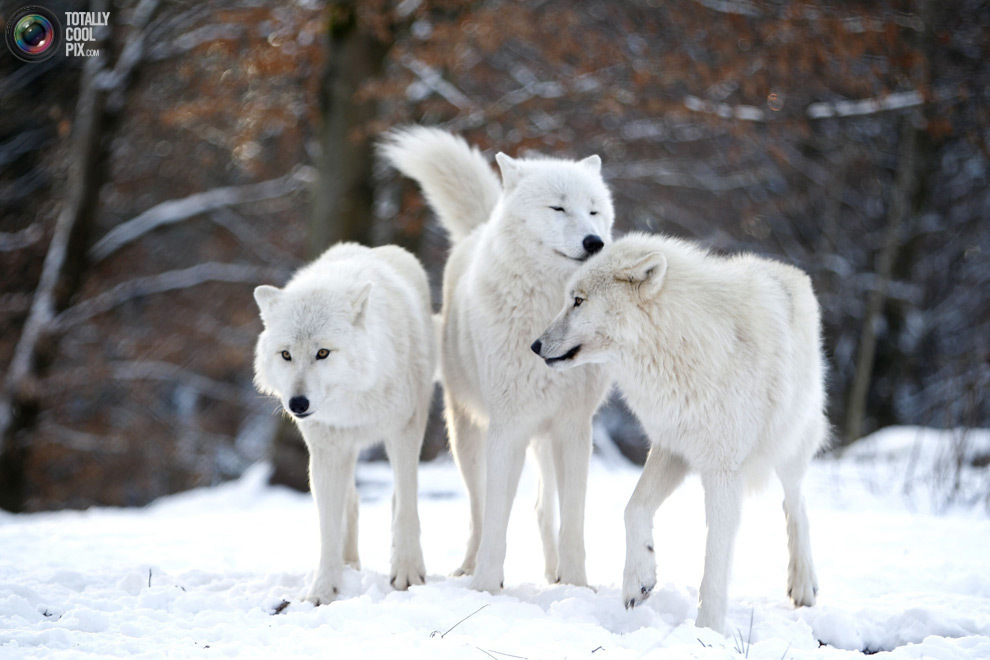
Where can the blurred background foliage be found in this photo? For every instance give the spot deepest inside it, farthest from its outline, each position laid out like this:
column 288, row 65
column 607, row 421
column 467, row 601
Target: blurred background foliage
column 213, row 147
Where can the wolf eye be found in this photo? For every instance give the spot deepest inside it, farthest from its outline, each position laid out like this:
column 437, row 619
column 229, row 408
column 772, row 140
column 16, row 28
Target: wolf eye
column 286, row 356
column 594, row 213
column 577, row 301
column 558, row 209
column 322, row 354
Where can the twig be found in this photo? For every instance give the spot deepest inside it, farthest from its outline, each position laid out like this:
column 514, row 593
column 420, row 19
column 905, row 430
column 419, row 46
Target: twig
column 433, row 634
column 149, row 578
column 749, row 642
column 508, row 655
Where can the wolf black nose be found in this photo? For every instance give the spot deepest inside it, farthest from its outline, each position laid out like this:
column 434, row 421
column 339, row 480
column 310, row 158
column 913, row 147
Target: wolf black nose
column 593, row 243
column 536, row 346
column 298, row 404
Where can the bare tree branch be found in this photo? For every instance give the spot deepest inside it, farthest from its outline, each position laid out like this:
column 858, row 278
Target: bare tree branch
column 433, row 80
column 724, row 110
column 170, row 373
column 115, row 82
column 176, row 210
column 822, row 110
column 731, row 7
column 168, row 281
column 9, row 242
column 897, row 101
column 659, row 173
column 250, row 239
column 23, row 143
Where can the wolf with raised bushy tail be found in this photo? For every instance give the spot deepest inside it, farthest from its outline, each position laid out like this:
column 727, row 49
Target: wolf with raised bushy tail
column 348, row 348
column 514, row 247
column 721, row 360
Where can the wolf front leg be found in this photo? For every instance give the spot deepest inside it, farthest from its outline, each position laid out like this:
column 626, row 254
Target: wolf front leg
column 723, row 504
column 546, row 505
column 572, row 454
column 403, row 449
column 662, row 474
column 505, row 453
column 351, row 557
column 331, row 475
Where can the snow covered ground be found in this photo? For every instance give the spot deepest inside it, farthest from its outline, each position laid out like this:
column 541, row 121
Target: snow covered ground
column 202, row 574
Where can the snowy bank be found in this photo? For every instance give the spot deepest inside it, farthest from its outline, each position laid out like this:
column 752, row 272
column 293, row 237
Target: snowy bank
column 206, row 573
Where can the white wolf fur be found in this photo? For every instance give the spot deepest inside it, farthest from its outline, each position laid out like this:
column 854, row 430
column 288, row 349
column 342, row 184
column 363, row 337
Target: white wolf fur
column 721, row 360
column 514, row 248
column 371, row 309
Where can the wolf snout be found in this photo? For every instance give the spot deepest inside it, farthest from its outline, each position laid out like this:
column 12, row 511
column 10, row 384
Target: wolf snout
column 536, row 346
column 298, row 405
column 593, row 243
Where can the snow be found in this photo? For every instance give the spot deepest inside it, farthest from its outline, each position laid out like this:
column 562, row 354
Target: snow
column 202, row 573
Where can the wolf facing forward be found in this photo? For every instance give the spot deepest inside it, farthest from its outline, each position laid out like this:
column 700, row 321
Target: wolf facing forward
column 349, row 350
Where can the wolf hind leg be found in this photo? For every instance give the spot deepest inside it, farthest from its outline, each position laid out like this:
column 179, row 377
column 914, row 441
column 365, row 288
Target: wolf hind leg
column 802, row 583
column 467, row 443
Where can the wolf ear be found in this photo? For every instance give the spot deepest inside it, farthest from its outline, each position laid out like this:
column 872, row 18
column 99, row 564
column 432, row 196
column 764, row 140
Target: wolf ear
column 593, row 163
column 511, row 171
column 266, row 296
column 360, row 304
column 647, row 273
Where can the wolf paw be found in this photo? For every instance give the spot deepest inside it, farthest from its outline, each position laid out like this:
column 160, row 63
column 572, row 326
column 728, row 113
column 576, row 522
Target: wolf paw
column 462, row 570
column 577, row 578
column 490, row 583
column 802, row 586
column 638, row 580
column 324, row 589
column 407, row 572
column 711, row 620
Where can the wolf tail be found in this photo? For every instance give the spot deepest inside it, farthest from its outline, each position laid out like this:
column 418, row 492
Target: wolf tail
column 456, row 179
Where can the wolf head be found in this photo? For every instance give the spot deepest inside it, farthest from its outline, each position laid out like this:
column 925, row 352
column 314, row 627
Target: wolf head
column 594, row 320
column 314, row 347
column 560, row 206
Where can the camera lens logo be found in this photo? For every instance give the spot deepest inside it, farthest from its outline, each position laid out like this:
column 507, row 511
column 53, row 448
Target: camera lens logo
column 33, row 34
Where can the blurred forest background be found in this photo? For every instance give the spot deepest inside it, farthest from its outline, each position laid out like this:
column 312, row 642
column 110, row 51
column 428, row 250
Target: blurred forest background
column 216, row 146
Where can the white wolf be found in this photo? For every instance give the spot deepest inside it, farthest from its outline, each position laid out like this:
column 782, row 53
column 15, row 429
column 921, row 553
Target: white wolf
column 721, row 360
column 349, row 350
column 514, row 246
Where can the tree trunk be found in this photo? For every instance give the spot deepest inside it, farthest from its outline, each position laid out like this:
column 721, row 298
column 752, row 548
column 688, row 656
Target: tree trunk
column 342, row 207
column 100, row 97
column 344, row 192
column 897, row 217
column 904, row 204
column 60, row 275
